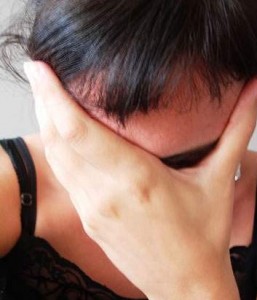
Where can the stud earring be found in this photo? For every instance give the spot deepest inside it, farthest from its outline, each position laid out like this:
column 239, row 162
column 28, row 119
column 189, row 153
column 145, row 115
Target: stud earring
column 238, row 173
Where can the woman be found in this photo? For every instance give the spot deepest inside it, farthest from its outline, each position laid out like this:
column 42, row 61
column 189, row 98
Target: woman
column 137, row 51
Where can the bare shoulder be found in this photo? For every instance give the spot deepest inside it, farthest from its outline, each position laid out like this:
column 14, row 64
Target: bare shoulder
column 47, row 186
column 10, row 221
column 10, row 225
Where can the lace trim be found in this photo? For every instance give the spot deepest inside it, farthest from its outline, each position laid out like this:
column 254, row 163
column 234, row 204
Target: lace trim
column 54, row 277
column 243, row 261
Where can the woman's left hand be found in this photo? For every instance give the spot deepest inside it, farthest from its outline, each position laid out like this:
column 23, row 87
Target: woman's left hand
column 167, row 230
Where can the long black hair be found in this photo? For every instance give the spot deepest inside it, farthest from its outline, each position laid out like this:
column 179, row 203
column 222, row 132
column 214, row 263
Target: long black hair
column 123, row 55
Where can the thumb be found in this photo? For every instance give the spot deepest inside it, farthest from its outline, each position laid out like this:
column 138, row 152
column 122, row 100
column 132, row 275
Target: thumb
column 237, row 134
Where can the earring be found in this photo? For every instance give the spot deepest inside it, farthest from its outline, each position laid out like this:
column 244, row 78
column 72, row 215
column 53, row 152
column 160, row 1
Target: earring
column 238, row 173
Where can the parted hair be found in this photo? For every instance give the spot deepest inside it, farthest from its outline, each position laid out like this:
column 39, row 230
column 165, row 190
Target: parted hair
column 124, row 56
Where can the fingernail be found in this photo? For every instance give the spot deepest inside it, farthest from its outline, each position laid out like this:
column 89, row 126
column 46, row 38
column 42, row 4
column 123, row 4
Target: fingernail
column 32, row 71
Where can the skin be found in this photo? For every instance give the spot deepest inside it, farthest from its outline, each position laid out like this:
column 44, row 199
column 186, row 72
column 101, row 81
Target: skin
column 169, row 135
column 168, row 132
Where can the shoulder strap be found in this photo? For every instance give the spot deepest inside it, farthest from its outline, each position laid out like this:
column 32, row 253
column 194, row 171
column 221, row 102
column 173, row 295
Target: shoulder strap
column 254, row 243
column 254, row 237
column 25, row 170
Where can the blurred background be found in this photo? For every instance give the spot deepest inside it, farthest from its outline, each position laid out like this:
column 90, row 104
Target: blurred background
column 17, row 117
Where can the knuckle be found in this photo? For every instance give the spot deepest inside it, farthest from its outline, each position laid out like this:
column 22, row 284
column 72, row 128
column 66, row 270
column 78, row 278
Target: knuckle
column 91, row 227
column 95, row 220
column 140, row 191
column 91, row 224
column 108, row 209
column 142, row 184
column 144, row 194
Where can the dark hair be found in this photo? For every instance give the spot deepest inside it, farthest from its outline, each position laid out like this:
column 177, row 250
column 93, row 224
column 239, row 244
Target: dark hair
column 124, row 54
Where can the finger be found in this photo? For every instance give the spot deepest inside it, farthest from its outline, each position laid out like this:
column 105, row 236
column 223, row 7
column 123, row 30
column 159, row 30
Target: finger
column 92, row 140
column 59, row 153
column 81, row 198
column 58, row 149
column 76, row 170
column 49, row 93
column 71, row 161
column 237, row 134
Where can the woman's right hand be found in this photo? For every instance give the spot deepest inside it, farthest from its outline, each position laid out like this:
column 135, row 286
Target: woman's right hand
column 167, row 230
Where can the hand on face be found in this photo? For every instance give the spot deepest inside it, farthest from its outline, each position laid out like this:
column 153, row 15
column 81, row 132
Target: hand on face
column 148, row 218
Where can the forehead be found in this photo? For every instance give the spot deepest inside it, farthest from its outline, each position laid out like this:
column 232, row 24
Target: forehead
column 167, row 131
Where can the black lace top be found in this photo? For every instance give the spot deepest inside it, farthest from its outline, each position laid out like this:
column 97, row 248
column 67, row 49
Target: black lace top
column 34, row 270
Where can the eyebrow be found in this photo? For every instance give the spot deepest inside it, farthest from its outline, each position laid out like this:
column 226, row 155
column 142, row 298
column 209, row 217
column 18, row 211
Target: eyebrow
column 189, row 157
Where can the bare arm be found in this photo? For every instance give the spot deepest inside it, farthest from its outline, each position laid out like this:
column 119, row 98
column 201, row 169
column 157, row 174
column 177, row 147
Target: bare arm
column 10, row 226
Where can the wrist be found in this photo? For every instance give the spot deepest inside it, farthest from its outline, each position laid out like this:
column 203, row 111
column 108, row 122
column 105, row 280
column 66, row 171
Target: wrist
column 217, row 286
column 228, row 292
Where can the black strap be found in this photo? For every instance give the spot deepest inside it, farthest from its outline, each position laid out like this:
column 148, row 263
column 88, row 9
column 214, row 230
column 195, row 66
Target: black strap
column 254, row 242
column 25, row 169
column 254, row 237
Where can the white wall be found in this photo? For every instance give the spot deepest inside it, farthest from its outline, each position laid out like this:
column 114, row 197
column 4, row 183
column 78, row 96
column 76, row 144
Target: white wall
column 17, row 116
